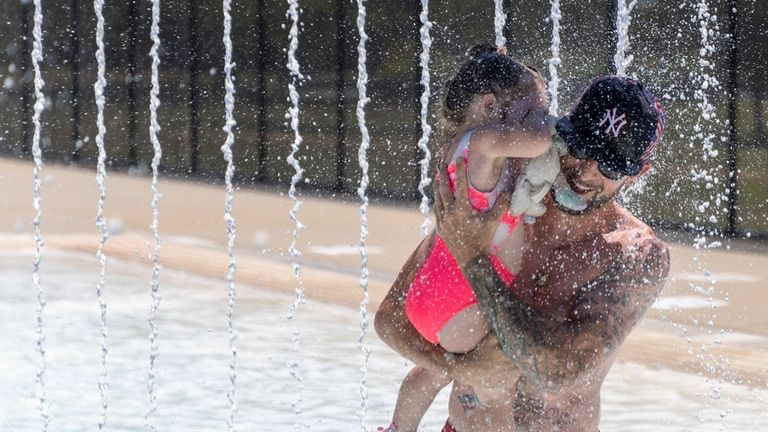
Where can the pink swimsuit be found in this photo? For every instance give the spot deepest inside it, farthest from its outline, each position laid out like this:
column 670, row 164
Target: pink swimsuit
column 440, row 290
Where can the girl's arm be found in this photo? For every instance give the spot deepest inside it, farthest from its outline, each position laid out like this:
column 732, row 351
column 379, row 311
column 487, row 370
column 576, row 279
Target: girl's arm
column 526, row 133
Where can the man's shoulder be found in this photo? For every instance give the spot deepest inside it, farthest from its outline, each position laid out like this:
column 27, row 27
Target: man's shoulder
column 627, row 220
column 648, row 260
column 632, row 282
column 630, row 223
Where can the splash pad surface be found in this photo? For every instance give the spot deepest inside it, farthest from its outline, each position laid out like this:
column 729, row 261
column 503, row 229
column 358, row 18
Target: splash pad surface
column 193, row 367
column 654, row 385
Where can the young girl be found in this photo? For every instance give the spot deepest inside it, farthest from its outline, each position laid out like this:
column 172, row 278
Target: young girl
column 494, row 112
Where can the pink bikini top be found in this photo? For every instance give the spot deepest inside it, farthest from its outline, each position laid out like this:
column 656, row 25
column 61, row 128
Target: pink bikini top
column 481, row 201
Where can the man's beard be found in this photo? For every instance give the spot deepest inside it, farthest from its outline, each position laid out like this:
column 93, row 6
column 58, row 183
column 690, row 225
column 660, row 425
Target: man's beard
column 596, row 202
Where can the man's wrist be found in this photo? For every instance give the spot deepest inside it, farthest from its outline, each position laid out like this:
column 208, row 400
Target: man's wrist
column 470, row 259
column 461, row 253
column 442, row 362
column 472, row 263
column 456, row 366
column 450, row 360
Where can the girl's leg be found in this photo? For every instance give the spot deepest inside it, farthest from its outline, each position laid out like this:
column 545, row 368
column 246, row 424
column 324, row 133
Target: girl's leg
column 417, row 392
column 462, row 334
column 464, row 331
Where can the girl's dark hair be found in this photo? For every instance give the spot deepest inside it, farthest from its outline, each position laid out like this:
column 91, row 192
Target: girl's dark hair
column 488, row 70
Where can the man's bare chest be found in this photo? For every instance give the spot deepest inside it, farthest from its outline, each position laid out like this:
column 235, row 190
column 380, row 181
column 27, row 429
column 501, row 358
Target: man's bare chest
column 556, row 274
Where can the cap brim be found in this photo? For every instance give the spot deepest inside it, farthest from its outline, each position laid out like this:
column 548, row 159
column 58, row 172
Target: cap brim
column 628, row 168
column 567, row 131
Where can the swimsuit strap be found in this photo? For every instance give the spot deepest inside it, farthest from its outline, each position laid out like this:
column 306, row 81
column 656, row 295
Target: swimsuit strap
column 462, row 150
column 504, row 181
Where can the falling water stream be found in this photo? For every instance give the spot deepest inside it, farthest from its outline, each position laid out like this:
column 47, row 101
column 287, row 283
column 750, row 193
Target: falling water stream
column 499, row 20
column 554, row 61
column 37, row 57
column 426, row 129
column 362, row 158
column 623, row 19
column 293, row 114
column 226, row 150
column 101, row 222
column 154, row 129
column 706, row 84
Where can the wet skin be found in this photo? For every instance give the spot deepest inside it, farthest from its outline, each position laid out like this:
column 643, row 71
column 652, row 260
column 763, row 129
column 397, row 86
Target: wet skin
column 507, row 126
column 552, row 344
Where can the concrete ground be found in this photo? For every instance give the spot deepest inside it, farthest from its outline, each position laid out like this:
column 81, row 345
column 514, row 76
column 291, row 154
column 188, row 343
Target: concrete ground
column 710, row 319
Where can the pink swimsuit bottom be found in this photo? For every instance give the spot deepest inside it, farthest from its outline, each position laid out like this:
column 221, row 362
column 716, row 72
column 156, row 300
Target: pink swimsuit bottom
column 440, row 291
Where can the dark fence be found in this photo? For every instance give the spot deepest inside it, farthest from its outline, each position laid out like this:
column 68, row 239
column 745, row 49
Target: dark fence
column 664, row 41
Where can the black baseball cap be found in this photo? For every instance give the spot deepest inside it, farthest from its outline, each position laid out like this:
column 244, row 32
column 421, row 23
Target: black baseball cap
column 617, row 122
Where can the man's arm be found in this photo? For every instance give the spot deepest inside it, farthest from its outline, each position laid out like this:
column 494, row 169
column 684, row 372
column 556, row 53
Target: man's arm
column 561, row 354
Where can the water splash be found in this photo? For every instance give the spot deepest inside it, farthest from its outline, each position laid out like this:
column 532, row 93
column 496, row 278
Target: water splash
column 709, row 207
column 101, row 222
column 362, row 158
column 623, row 19
column 554, row 61
column 154, row 129
column 226, row 150
column 499, row 20
column 37, row 155
column 705, row 84
column 293, row 114
column 426, row 129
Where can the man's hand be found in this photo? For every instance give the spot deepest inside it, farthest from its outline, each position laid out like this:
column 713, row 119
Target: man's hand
column 633, row 243
column 486, row 366
column 467, row 232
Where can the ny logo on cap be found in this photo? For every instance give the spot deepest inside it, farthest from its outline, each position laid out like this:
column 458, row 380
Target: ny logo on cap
column 614, row 123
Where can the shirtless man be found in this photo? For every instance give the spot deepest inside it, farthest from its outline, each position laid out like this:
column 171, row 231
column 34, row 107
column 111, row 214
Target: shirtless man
column 553, row 339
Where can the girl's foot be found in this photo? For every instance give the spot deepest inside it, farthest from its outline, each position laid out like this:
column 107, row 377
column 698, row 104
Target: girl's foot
column 391, row 428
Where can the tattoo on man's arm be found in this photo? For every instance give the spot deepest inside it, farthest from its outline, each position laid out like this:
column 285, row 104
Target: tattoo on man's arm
column 512, row 321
